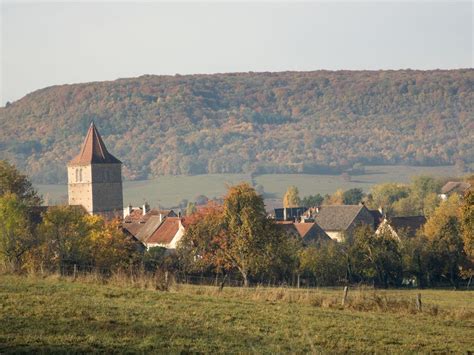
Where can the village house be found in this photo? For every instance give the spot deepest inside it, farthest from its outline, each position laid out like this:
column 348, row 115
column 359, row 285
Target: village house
column 340, row 220
column 136, row 217
column 452, row 187
column 400, row 227
column 161, row 232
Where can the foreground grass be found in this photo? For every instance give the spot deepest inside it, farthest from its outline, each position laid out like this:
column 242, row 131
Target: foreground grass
column 47, row 315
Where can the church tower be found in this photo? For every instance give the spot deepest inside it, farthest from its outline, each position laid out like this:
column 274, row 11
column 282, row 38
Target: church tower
column 95, row 178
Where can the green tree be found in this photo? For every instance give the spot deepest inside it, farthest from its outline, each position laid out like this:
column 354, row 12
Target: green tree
column 190, row 208
column 16, row 236
column 352, row 196
column 446, row 252
column 65, row 237
column 385, row 195
column 12, row 181
column 415, row 256
column 375, row 257
column 291, row 197
column 312, row 200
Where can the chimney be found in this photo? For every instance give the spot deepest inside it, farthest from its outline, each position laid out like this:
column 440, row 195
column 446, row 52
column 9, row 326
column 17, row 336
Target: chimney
column 145, row 208
column 127, row 210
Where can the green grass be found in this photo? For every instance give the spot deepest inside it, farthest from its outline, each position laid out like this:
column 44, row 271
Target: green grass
column 46, row 315
column 168, row 191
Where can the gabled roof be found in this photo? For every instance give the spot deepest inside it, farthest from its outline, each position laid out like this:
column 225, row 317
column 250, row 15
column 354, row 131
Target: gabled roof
column 409, row 224
column 165, row 232
column 458, row 186
column 311, row 232
column 308, row 231
column 93, row 150
column 337, row 217
column 149, row 228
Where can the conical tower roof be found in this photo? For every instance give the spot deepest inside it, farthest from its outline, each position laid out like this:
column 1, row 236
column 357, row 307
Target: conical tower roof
column 93, row 150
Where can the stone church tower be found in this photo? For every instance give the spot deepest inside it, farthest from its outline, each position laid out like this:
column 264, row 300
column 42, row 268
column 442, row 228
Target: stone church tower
column 95, row 178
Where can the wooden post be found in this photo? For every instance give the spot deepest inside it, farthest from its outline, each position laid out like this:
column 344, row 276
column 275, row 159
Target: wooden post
column 166, row 278
column 418, row 302
column 298, row 280
column 344, row 297
column 75, row 271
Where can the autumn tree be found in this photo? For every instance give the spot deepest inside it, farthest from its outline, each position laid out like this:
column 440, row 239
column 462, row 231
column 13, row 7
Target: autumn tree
column 235, row 236
column 16, row 234
column 65, row 237
column 467, row 223
column 14, row 182
column 337, row 198
column 110, row 248
column 291, row 197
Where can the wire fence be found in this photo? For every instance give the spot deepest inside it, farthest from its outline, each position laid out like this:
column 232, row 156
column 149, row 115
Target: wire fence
column 229, row 280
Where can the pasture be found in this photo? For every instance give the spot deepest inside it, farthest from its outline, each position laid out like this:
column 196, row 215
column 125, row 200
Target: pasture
column 57, row 314
column 168, row 191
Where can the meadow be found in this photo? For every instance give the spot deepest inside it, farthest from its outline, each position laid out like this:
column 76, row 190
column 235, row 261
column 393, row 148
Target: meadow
column 168, row 191
column 59, row 314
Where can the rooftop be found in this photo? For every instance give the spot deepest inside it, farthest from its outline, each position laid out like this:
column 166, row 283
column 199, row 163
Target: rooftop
column 93, row 150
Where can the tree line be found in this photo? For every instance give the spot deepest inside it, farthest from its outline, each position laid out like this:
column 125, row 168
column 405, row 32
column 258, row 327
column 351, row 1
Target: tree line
column 236, row 239
column 291, row 122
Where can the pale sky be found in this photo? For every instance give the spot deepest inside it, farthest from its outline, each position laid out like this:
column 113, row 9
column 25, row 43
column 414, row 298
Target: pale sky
column 44, row 44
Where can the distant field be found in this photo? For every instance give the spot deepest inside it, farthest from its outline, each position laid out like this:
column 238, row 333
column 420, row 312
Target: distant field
column 55, row 315
column 168, row 191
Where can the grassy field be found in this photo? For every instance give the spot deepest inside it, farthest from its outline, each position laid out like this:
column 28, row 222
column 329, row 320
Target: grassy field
column 54, row 314
column 168, row 191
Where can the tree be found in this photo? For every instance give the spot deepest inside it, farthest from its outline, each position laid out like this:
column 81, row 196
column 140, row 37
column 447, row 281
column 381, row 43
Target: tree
column 110, row 248
column 441, row 215
column 446, row 251
column 237, row 236
column 16, row 236
column 352, row 196
column 65, row 237
column 190, row 208
column 335, row 199
column 467, row 223
column 375, row 257
column 312, row 201
column 291, row 197
column 467, row 230
column 415, row 256
column 12, row 181
column 384, row 195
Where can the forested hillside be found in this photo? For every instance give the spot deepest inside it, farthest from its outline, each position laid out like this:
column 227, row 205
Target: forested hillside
column 318, row 121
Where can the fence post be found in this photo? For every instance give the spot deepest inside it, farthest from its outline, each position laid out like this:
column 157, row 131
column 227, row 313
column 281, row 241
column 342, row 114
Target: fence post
column 344, row 296
column 418, row 302
column 75, row 271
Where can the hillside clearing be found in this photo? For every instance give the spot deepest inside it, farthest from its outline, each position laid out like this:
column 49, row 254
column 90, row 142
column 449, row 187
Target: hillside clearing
column 44, row 315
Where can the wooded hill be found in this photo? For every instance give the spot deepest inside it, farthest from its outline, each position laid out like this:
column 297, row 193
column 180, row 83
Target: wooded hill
column 312, row 122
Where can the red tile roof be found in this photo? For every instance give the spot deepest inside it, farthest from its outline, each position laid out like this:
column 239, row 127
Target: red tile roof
column 93, row 150
column 165, row 233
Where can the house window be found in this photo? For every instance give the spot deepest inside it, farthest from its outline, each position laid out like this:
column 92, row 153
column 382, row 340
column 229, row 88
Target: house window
column 80, row 175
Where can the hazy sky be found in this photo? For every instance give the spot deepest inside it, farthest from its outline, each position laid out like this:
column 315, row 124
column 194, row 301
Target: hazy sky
column 44, row 44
